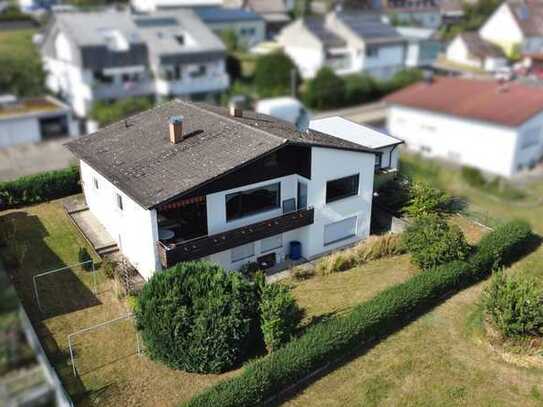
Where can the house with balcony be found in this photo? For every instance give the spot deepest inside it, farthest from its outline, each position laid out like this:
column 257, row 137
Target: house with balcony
column 119, row 54
column 346, row 42
column 275, row 13
column 190, row 181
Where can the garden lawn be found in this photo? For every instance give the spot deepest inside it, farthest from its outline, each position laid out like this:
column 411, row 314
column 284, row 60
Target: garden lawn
column 443, row 358
column 18, row 43
column 110, row 371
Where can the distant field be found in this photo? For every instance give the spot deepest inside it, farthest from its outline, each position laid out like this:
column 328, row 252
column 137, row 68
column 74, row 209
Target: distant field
column 18, row 43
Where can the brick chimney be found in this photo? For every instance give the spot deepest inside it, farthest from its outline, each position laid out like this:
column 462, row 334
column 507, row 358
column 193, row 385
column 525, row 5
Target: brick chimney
column 176, row 129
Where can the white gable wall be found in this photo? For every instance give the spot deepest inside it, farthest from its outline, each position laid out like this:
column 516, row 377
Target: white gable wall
column 529, row 148
column 486, row 146
column 501, row 28
column 134, row 228
column 457, row 52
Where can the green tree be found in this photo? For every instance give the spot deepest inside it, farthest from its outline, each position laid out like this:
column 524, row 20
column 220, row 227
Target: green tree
column 425, row 200
column 325, row 91
column 197, row 317
column 230, row 40
column 432, row 242
column 273, row 73
column 106, row 113
column 359, row 89
column 21, row 76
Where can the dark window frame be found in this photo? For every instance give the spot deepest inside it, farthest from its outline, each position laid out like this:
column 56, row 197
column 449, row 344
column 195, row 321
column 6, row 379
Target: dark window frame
column 354, row 192
column 119, row 200
column 241, row 214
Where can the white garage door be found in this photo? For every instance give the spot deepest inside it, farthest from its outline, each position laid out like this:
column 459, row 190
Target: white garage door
column 337, row 231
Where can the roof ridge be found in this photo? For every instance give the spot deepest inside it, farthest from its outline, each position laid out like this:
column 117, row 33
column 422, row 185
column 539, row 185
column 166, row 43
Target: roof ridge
column 230, row 119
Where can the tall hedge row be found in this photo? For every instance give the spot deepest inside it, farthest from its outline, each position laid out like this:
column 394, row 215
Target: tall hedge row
column 375, row 318
column 40, row 187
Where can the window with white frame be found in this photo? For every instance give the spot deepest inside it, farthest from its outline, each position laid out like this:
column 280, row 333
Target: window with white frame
column 242, row 252
column 271, row 243
column 337, row 231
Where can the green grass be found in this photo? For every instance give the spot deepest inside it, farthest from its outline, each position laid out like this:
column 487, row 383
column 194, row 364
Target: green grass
column 443, row 358
column 18, row 43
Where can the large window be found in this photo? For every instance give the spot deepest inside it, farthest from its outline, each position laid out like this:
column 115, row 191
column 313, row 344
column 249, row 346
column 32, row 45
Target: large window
column 337, row 231
column 253, row 201
column 342, row 188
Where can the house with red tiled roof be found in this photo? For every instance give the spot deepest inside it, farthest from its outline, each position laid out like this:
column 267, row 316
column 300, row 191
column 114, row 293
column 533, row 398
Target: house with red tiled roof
column 495, row 127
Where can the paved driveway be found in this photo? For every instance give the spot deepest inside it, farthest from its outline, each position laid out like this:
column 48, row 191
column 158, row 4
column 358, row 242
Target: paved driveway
column 28, row 159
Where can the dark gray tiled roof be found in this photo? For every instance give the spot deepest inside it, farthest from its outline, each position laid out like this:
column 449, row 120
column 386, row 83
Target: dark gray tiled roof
column 327, row 37
column 137, row 156
column 369, row 27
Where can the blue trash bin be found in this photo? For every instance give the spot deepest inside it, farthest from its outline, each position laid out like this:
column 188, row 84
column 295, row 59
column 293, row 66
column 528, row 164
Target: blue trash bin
column 295, row 250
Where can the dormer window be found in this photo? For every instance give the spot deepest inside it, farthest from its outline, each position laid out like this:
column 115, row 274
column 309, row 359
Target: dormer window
column 115, row 40
column 180, row 39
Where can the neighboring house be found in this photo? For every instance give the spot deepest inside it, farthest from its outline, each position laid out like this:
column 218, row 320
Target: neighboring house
column 28, row 6
column 184, row 181
column 119, row 55
column 423, row 47
column 34, row 120
column 451, row 11
column 517, row 27
column 249, row 27
column 274, row 12
column 154, row 5
column 470, row 50
column 495, row 127
column 346, row 42
column 387, row 155
column 420, row 13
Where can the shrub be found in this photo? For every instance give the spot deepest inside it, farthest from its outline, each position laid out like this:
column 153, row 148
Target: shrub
column 425, row 200
column 338, row 336
column 432, row 242
column 336, row 262
column 473, row 176
column 359, row 89
column 106, row 113
column 273, row 74
column 302, row 273
column 326, row 90
column 85, row 258
column 377, row 247
column 109, row 268
column 515, row 305
column 249, row 269
column 40, row 187
column 197, row 317
column 230, row 40
column 279, row 315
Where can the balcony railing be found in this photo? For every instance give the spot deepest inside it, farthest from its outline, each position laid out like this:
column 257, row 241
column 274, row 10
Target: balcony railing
column 173, row 253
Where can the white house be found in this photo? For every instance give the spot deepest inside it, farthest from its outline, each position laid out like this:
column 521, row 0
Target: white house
column 346, row 42
column 274, row 12
column 34, row 120
column 516, row 26
column 184, row 181
column 119, row 54
column 495, row 127
column 146, row 6
column 470, row 50
column 249, row 27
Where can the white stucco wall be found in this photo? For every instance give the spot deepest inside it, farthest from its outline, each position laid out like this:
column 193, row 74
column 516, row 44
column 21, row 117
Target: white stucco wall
column 529, row 147
column 478, row 144
column 501, row 28
column 457, row 52
column 19, row 131
column 389, row 60
column 134, row 228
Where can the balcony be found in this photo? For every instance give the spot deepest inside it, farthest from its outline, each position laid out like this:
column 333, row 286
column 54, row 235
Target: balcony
column 173, row 253
column 144, row 87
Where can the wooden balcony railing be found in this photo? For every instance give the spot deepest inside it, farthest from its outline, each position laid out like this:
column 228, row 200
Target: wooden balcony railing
column 173, row 253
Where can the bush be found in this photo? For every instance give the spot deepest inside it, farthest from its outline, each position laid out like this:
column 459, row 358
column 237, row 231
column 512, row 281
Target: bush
column 106, row 113
column 336, row 262
column 338, row 336
column 279, row 315
column 515, row 305
column 302, row 273
column 85, row 258
column 273, row 74
column 377, row 247
column 473, row 177
column 249, row 269
column 325, row 91
column 426, row 200
column 359, row 89
column 230, row 40
column 41, row 187
column 432, row 242
column 109, row 268
column 197, row 317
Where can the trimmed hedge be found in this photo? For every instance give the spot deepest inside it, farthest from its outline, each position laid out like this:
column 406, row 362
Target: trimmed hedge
column 40, row 187
column 375, row 318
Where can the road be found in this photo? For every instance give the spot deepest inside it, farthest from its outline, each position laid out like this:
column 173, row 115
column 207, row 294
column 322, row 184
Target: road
column 28, row 159
column 373, row 114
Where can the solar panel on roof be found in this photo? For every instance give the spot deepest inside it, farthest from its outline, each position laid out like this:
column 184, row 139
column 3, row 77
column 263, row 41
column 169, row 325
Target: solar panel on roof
column 155, row 22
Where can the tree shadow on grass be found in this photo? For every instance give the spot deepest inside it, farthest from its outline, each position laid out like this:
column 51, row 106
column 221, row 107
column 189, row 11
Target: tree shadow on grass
column 59, row 293
column 292, row 391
